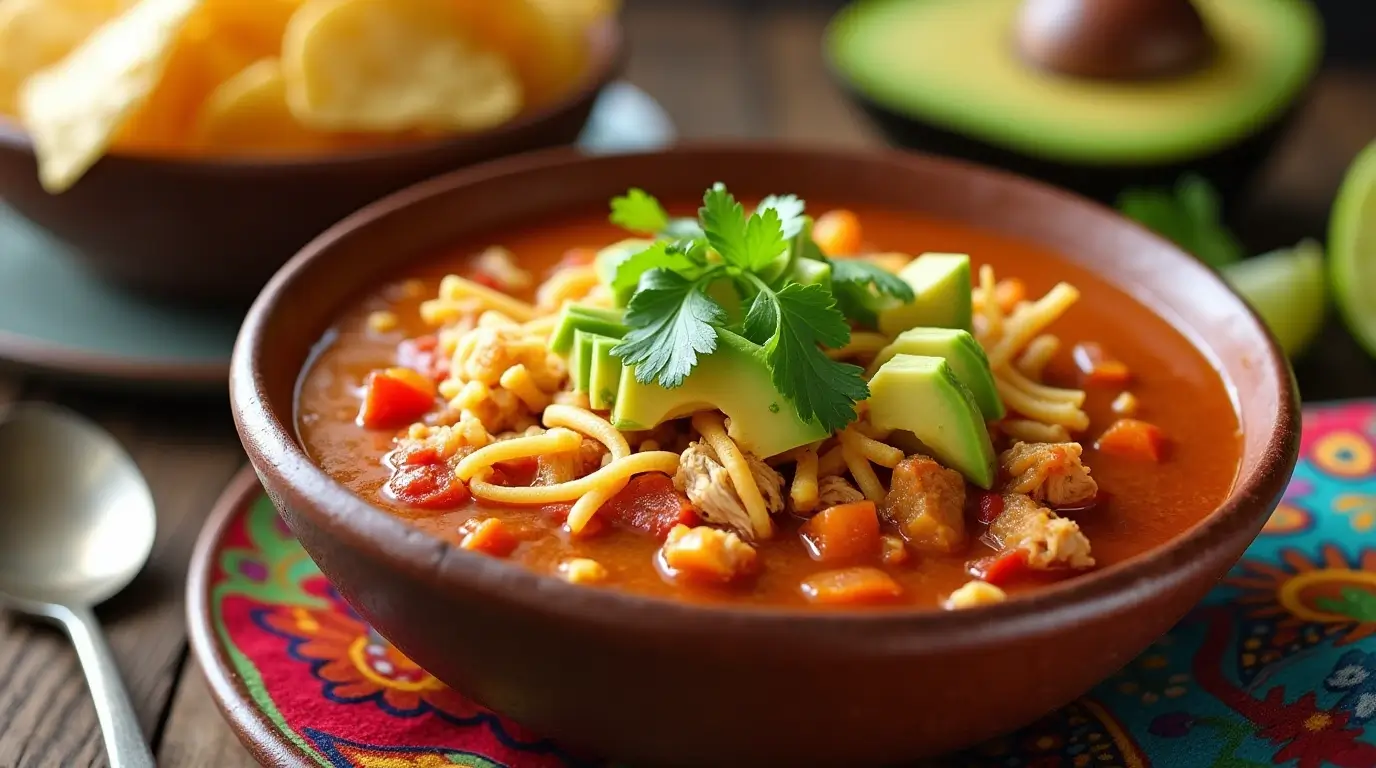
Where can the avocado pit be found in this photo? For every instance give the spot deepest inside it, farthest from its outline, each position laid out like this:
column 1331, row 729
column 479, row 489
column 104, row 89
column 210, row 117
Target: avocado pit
column 1122, row 40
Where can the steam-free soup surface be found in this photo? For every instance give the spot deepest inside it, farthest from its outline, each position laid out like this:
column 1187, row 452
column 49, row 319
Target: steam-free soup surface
column 1141, row 505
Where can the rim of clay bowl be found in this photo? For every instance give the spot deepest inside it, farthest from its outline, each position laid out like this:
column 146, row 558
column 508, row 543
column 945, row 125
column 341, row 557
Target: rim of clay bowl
column 273, row 448
column 607, row 53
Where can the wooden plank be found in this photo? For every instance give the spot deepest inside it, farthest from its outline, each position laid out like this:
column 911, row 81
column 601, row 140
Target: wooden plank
column 803, row 102
column 187, row 451
column 196, row 734
column 696, row 60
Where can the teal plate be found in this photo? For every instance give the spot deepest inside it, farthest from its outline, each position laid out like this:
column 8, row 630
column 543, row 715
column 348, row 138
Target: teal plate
column 57, row 318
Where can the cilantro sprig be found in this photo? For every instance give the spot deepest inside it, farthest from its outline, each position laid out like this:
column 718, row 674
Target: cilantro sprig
column 674, row 313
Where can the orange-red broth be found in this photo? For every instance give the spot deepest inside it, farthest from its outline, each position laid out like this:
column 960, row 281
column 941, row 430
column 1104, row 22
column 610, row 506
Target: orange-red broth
column 1146, row 503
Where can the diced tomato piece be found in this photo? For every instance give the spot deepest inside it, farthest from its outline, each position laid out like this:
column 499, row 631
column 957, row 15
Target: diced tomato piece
column 650, row 503
column 838, row 233
column 427, row 486
column 559, row 513
column 843, row 532
column 1096, row 367
column 851, row 586
column 1001, row 570
column 483, row 278
column 488, row 536
column 395, row 397
column 990, row 506
column 423, row 354
column 576, row 257
column 1133, row 439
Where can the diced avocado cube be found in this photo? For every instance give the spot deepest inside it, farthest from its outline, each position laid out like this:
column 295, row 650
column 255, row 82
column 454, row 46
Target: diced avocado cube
column 922, row 396
column 580, row 360
column 811, row 271
column 942, row 296
column 579, row 317
column 735, row 380
column 960, row 350
column 606, row 373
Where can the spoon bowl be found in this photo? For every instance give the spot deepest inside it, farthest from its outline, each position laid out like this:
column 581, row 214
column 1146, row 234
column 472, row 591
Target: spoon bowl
column 78, row 518
column 77, row 523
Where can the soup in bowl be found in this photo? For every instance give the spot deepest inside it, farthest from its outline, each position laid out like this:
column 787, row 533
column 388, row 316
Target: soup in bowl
column 614, row 445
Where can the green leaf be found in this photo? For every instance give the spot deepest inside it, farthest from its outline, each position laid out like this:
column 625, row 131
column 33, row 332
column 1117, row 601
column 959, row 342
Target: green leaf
column 661, row 255
column 723, row 222
column 858, row 285
column 762, row 320
column 764, row 240
column 639, row 212
column 818, row 386
column 672, row 322
column 1189, row 217
column 790, row 210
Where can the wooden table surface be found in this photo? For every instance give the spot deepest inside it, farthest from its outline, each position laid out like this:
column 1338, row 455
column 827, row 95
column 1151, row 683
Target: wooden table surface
column 721, row 70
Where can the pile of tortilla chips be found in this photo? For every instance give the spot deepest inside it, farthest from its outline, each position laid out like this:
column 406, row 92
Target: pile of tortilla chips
column 275, row 77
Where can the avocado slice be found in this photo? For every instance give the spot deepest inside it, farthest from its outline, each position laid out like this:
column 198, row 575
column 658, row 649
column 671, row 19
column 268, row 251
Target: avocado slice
column 734, row 379
column 942, row 296
column 609, row 258
column 922, row 396
column 810, row 271
column 580, row 360
column 951, row 65
column 579, row 317
column 606, row 373
column 960, row 350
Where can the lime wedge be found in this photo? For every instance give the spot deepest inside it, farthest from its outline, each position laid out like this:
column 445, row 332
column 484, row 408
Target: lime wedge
column 1286, row 287
column 1352, row 248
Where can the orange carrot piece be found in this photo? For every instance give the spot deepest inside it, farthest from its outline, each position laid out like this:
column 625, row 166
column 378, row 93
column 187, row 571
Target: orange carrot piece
column 488, row 536
column 851, row 586
column 1133, row 439
column 843, row 532
column 838, row 233
column 395, row 397
column 1096, row 367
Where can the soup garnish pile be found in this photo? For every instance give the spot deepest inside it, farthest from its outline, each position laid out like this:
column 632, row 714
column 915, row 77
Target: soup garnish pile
column 755, row 406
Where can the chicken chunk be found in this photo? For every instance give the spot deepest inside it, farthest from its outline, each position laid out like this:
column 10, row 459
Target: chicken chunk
column 1050, row 541
column 707, row 554
column 834, row 489
column 707, row 484
column 1049, row 472
column 927, row 503
column 974, row 594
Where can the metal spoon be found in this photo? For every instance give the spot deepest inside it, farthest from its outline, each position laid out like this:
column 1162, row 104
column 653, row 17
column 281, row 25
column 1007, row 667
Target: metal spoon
column 76, row 524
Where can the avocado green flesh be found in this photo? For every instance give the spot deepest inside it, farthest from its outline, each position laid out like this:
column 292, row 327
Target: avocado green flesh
column 921, row 395
column 735, row 380
column 576, row 317
column 810, row 272
column 605, row 374
column 952, row 64
column 960, row 351
column 942, row 296
column 580, row 360
column 609, row 258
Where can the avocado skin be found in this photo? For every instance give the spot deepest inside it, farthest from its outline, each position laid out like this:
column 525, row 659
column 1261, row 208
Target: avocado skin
column 1230, row 170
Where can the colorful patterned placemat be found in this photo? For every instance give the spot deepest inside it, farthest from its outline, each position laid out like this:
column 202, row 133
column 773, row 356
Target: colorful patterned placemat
column 1276, row 667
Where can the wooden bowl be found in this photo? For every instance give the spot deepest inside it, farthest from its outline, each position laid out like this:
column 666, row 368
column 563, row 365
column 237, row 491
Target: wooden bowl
column 208, row 230
column 657, row 682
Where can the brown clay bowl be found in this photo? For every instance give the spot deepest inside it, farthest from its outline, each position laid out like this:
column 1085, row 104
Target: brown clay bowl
column 207, row 230
column 656, row 682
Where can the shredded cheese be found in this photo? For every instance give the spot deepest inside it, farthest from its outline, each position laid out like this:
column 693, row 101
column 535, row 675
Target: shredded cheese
column 803, row 492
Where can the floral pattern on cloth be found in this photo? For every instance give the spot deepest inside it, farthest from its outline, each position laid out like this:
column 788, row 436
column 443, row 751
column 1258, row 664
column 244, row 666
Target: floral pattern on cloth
column 1276, row 667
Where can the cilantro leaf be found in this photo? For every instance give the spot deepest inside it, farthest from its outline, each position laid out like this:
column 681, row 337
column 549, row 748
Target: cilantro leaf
column 762, row 319
column 764, row 239
column 790, row 210
column 858, row 285
column 723, row 222
column 672, row 321
column 818, row 386
column 639, row 212
column 659, row 255
column 1188, row 216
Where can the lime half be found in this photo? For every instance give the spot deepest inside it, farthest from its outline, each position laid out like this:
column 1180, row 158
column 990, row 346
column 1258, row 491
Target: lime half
column 1352, row 248
column 1286, row 288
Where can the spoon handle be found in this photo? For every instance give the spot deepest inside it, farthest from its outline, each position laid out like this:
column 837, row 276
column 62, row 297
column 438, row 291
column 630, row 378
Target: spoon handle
column 124, row 741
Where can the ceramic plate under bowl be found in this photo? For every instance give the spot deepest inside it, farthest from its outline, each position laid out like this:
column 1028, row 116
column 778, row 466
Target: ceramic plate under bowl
column 1277, row 663
column 56, row 317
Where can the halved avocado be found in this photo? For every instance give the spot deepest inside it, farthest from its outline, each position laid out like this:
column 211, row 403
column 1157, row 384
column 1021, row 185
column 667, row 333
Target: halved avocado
column 946, row 75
